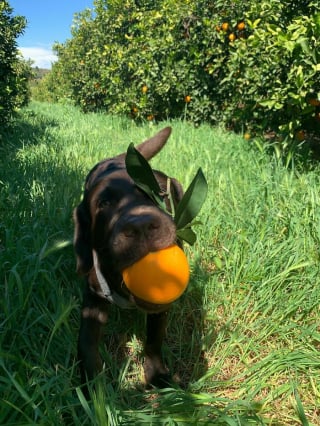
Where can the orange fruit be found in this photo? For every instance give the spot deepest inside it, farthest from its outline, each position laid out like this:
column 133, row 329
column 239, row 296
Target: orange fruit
column 241, row 26
column 144, row 89
column 187, row 99
column 150, row 117
column 247, row 136
column 159, row 277
column 225, row 26
column 232, row 37
column 314, row 102
column 301, row 135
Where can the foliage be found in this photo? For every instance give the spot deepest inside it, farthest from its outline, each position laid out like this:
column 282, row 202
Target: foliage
column 252, row 65
column 274, row 75
column 14, row 71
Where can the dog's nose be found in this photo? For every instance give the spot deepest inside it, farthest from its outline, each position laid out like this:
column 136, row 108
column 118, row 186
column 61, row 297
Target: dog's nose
column 142, row 225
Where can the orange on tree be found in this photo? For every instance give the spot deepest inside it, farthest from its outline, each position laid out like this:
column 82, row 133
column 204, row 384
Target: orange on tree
column 314, row 102
column 232, row 37
column 160, row 277
column 301, row 135
column 241, row 26
column 225, row 26
column 187, row 99
column 144, row 89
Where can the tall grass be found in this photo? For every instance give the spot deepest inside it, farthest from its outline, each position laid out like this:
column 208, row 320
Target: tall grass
column 243, row 340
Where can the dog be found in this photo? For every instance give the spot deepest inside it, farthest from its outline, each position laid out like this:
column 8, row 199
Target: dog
column 117, row 224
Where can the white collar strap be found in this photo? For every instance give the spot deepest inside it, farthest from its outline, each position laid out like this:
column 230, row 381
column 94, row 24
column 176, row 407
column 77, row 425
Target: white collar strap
column 106, row 292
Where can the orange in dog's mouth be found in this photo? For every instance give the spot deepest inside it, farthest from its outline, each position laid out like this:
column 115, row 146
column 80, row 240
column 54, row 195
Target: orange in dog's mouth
column 159, row 277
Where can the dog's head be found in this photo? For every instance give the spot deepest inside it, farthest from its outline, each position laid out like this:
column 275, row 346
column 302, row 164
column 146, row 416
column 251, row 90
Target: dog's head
column 118, row 222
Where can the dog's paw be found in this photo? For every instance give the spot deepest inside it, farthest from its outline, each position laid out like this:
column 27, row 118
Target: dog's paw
column 160, row 381
column 156, row 375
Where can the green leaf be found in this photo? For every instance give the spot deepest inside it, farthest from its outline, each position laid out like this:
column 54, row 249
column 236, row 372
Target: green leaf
column 271, row 104
column 192, row 201
column 304, row 43
column 140, row 171
column 188, row 235
column 300, row 409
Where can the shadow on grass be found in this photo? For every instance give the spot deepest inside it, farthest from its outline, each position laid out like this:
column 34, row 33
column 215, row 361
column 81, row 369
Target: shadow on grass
column 35, row 183
column 26, row 129
column 183, row 347
column 123, row 396
column 32, row 222
column 170, row 406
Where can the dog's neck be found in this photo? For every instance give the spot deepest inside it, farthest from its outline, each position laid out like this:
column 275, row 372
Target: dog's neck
column 106, row 291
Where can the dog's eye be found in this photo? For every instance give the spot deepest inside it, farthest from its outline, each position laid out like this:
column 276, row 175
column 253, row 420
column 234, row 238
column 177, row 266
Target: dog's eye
column 103, row 203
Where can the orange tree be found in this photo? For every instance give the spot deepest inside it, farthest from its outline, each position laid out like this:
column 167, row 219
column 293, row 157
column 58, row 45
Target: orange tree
column 14, row 71
column 124, row 59
column 251, row 65
column 146, row 58
column 273, row 74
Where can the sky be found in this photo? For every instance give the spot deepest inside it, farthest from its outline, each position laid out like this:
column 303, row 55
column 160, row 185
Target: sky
column 47, row 22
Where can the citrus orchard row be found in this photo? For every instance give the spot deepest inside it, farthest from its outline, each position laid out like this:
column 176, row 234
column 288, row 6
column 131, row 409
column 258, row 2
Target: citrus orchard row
column 253, row 66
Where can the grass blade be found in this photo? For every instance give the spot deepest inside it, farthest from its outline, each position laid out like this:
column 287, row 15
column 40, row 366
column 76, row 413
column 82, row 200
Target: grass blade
column 300, row 409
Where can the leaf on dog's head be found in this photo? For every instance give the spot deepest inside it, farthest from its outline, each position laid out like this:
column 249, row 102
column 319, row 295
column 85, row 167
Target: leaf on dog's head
column 187, row 235
column 192, row 201
column 141, row 173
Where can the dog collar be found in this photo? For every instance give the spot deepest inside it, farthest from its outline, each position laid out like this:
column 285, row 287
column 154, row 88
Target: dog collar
column 107, row 293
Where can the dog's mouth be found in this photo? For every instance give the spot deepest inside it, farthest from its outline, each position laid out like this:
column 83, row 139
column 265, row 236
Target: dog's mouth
column 150, row 308
column 136, row 232
column 121, row 295
column 160, row 277
column 139, row 233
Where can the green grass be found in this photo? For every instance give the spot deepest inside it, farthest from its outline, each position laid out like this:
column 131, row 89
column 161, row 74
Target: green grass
column 243, row 340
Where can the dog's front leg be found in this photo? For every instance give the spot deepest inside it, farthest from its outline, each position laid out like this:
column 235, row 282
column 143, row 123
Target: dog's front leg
column 155, row 372
column 93, row 317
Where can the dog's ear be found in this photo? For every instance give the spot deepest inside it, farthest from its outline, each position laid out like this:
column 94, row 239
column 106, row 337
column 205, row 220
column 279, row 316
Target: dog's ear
column 152, row 146
column 82, row 239
column 148, row 149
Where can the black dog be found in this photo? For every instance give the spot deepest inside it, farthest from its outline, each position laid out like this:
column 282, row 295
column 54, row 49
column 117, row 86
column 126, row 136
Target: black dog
column 117, row 224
